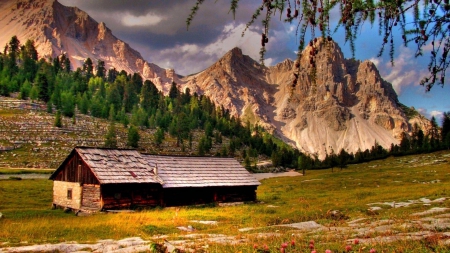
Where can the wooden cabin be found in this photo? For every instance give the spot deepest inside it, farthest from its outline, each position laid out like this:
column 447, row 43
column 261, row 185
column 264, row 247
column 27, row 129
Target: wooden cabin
column 93, row 179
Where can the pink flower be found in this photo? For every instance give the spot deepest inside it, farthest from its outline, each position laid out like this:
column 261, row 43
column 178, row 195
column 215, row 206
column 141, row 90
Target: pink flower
column 311, row 246
column 284, row 245
column 313, row 251
column 348, row 248
column 293, row 243
column 282, row 250
column 311, row 242
column 255, row 246
column 266, row 247
column 372, row 250
column 327, row 251
column 356, row 241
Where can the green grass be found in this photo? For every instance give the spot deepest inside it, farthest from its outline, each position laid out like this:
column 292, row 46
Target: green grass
column 28, row 216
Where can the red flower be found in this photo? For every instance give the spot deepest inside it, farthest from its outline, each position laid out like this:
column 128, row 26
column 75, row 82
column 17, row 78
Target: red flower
column 356, row 241
column 372, row 250
column 255, row 246
column 348, row 248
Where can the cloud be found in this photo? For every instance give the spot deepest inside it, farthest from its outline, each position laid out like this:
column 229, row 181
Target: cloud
column 146, row 20
column 405, row 72
column 438, row 115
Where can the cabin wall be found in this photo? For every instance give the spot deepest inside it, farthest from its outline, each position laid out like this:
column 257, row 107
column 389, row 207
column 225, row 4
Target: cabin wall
column 75, row 170
column 61, row 194
column 121, row 196
column 204, row 195
column 91, row 197
column 235, row 194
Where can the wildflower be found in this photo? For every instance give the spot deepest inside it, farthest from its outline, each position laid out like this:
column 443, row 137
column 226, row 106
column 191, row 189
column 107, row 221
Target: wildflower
column 255, row 246
column 327, row 251
column 372, row 250
column 348, row 248
column 311, row 246
column 356, row 241
column 293, row 243
column 313, row 251
column 311, row 242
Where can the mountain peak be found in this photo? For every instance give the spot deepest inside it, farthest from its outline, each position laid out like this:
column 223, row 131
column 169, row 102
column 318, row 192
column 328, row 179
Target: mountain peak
column 236, row 51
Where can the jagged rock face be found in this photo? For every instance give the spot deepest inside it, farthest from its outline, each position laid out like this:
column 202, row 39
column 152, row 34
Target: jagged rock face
column 348, row 106
column 243, row 92
column 58, row 29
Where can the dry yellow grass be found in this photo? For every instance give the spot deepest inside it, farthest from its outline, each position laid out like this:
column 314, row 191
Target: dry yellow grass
column 26, row 206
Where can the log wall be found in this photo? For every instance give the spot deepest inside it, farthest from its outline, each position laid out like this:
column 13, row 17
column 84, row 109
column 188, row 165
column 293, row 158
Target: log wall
column 91, row 197
column 204, row 195
column 120, row 196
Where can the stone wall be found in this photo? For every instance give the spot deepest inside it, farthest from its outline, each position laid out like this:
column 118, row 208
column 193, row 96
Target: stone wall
column 60, row 194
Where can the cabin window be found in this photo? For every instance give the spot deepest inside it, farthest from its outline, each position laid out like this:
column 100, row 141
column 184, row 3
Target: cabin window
column 69, row 193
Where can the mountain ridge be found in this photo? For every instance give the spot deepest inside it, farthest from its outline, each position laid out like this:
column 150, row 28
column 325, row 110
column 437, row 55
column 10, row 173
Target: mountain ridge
column 58, row 29
column 345, row 105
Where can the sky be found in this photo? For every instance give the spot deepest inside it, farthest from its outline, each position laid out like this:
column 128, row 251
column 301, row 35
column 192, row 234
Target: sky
column 157, row 29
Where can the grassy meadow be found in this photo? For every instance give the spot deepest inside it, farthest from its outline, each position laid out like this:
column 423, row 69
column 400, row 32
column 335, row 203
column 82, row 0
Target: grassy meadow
column 28, row 218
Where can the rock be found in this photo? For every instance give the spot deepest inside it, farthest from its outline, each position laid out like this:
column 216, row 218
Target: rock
column 336, row 215
column 1, row 215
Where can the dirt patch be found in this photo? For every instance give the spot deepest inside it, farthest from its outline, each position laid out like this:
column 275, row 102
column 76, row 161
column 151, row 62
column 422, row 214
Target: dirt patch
column 261, row 176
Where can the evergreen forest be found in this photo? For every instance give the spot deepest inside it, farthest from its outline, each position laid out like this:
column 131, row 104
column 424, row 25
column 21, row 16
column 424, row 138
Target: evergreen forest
column 125, row 98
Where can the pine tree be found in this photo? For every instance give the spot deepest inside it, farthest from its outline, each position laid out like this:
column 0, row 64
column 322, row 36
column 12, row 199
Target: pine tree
column 445, row 132
column 133, row 137
column 58, row 121
column 111, row 136
column 173, row 92
column 158, row 136
column 101, row 69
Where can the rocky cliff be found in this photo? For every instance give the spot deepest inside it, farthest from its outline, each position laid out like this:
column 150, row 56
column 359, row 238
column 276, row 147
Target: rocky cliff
column 321, row 103
column 57, row 29
column 345, row 104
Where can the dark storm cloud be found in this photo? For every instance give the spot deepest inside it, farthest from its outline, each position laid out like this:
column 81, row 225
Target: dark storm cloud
column 157, row 29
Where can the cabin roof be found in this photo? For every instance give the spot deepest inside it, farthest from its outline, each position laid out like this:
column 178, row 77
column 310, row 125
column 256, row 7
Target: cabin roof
column 116, row 166
column 177, row 171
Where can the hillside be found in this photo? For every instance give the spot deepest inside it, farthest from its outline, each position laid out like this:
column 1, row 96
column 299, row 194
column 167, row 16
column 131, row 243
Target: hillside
column 28, row 134
column 345, row 105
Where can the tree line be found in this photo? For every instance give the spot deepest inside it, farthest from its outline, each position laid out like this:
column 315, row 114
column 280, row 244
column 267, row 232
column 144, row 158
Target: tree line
column 127, row 99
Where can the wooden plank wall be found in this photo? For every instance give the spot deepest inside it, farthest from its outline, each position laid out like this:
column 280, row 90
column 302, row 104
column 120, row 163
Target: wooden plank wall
column 204, row 195
column 120, row 196
column 76, row 171
column 91, row 197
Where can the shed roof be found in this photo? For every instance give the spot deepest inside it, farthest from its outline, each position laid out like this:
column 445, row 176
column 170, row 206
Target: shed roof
column 176, row 171
column 117, row 166
column 112, row 166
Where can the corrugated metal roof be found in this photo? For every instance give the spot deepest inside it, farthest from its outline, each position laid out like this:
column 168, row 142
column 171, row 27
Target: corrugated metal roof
column 200, row 171
column 112, row 166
